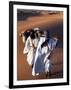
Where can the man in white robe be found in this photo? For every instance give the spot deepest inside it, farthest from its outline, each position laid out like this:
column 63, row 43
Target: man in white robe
column 37, row 62
column 41, row 62
column 30, row 49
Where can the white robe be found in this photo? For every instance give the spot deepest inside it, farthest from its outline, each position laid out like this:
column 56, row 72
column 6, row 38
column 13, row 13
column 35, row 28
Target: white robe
column 29, row 50
column 41, row 61
column 38, row 54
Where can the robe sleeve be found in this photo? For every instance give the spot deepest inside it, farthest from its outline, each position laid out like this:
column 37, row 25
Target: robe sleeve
column 52, row 43
column 27, row 47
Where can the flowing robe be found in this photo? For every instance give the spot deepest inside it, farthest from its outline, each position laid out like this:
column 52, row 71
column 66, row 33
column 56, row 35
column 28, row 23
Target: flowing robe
column 41, row 62
column 30, row 50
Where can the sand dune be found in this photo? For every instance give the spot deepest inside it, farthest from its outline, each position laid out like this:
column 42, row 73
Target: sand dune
column 39, row 21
